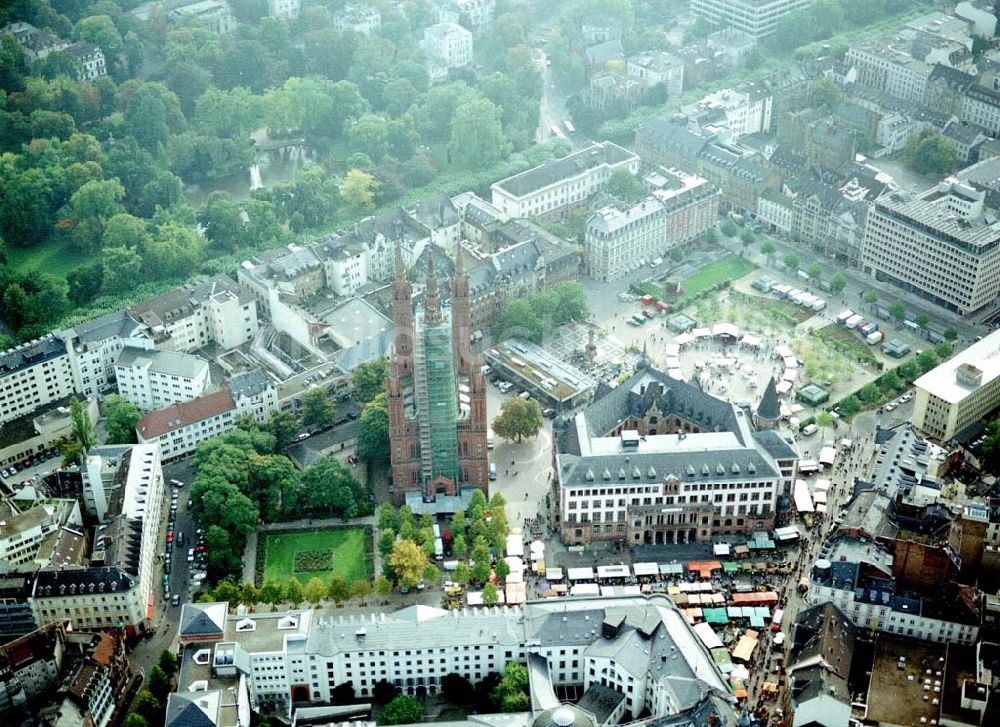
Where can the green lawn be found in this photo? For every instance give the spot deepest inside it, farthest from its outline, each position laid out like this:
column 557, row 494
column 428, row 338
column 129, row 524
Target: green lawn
column 847, row 342
column 52, row 257
column 728, row 268
column 350, row 557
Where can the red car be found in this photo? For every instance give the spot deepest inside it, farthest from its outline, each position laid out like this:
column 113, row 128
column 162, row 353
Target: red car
column 170, row 536
column 201, row 549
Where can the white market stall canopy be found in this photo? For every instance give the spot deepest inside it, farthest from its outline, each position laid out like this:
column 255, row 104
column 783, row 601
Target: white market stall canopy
column 515, row 546
column 702, row 332
column 803, row 501
column 612, row 571
column 726, row 329
column 585, row 589
column 684, row 339
column 790, row 375
column 790, row 362
column 645, row 569
column 784, row 387
column 808, row 466
column 721, row 549
column 751, row 339
column 554, row 574
column 581, row 574
column 673, row 350
column 827, row 455
column 708, row 636
column 783, row 351
column 787, row 533
column 822, row 485
column 675, row 373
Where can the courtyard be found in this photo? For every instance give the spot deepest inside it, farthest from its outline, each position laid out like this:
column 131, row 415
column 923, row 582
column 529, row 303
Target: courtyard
column 317, row 553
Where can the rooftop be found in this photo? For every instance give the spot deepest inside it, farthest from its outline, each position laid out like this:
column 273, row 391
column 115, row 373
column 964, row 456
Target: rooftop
column 162, row 421
column 558, row 170
column 896, row 696
column 182, row 301
column 965, row 372
column 161, row 361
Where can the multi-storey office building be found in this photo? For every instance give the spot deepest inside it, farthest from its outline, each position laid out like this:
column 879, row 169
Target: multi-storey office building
column 757, row 18
column 943, row 245
column 960, row 391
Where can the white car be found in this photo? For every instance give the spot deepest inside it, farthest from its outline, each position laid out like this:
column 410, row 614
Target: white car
column 890, row 407
column 176, row 483
column 190, row 555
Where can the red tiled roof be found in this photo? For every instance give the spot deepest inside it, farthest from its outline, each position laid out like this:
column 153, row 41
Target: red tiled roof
column 162, row 421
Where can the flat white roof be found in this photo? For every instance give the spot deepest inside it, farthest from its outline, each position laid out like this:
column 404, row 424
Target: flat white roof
column 984, row 355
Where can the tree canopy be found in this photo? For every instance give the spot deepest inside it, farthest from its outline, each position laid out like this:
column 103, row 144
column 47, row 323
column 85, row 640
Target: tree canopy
column 518, row 418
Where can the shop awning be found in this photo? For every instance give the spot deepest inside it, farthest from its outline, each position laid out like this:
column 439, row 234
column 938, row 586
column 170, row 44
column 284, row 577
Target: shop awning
column 645, row 569
column 803, row 502
column 716, row 616
column 585, row 589
column 730, row 567
column 554, row 574
column 684, row 339
column 613, row 571
column 669, row 569
column 581, row 574
column 721, row 549
column 745, row 647
column 827, row 456
column 708, row 636
column 787, row 533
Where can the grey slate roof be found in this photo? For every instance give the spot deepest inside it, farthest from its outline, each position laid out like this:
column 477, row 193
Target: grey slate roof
column 774, row 445
column 600, row 701
column 44, row 349
column 769, row 407
column 249, row 383
column 192, row 709
column 206, row 620
column 119, row 324
column 648, row 387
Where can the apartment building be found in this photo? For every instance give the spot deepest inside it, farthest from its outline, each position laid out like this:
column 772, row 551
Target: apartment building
column 89, row 61
column 943, row 245
column 657, row 68
column 288, row 9
column 31, row 665
column 210, row 310
column 618, row 237
column 254, row 394
column 33, row 375
column 29, row 435
column 959, row 392
column 363, row 19
column 448, row 45
column 657, row 460
column 180, row 428
column 552, row 189
column 213, row 14
column 855, row 574
column 615, row 647
column 26, row 526
column 153, row 379
column 94, row 345
column 733, row 112
column 757, row 18
column 115, row 588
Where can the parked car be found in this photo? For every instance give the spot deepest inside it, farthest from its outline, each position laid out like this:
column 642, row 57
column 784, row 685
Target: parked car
column 176, row 600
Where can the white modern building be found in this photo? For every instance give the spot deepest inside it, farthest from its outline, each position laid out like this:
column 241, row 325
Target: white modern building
column 619, row 238
column 211, row 310
column 448, row 45
column 757, row 18
column 637, row 652
column 33, row 375
column 115, row 589
column 943, row 245
column 180, row 428
column 554, row 188
column 153, row 379
column 959, row 392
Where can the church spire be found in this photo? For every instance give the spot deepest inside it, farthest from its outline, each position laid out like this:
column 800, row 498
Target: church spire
column 432, row 296
column 402, row 290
